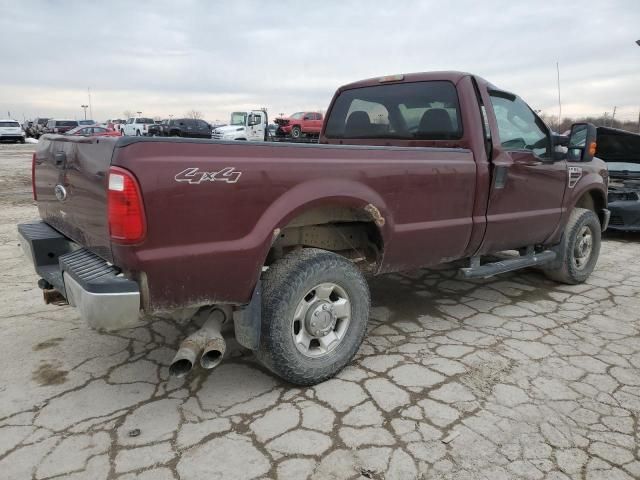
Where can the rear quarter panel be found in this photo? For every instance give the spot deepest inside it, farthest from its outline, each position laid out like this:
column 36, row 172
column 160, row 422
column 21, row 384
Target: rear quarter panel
column 207, row 242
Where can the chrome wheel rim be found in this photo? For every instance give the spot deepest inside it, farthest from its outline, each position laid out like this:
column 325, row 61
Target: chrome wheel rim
column 321, row 320
column 582, row 248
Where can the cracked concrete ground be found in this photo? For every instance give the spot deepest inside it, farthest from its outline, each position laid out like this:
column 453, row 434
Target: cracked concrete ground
column 512, row 377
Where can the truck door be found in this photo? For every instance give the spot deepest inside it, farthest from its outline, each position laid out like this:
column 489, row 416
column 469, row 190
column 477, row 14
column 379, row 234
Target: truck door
column 256, row 127
column 527, row 188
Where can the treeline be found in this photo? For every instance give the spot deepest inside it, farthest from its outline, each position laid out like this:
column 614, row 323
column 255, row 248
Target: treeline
column 601, row 121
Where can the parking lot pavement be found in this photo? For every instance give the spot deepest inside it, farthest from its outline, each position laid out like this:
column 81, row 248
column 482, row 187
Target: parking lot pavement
column 513, row 377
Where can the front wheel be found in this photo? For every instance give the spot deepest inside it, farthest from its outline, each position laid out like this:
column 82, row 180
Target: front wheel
column 315, row 308
column 578, row 250
column 296, row 132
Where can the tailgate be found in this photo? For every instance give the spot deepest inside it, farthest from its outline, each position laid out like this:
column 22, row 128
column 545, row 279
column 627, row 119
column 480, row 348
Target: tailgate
column 70, row 182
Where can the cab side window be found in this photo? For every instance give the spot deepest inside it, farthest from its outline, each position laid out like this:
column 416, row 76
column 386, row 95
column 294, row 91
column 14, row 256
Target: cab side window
column 518, row 127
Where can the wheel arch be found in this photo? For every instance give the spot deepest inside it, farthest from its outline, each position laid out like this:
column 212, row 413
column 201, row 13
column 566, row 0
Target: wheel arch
column 319, row 214
column 593, row 199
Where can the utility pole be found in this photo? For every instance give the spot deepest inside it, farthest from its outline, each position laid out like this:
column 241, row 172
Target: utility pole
column 90, row 107
column 613, row 116
column 559, row 101
column 85, row 110
column 638, row 112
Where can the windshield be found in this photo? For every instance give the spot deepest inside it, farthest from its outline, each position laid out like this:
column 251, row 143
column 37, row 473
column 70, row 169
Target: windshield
column 624, row 167
column 42, row 121
column 66, row 123
column 238, row 118
column 9, row 124
column 297, row 116
column 86, row 122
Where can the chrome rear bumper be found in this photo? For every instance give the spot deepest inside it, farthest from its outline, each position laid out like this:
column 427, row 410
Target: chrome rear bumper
column 105, row 299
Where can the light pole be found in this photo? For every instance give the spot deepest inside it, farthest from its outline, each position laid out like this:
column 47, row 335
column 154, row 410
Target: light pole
column 85, row 110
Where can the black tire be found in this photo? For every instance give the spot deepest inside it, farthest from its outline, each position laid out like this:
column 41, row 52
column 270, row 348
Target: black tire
column 22, row 140
column 296, row 132
column 285, row 284
column 570, row 267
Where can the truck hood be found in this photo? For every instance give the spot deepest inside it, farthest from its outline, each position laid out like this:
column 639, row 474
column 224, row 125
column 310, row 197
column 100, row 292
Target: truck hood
column 229, row 129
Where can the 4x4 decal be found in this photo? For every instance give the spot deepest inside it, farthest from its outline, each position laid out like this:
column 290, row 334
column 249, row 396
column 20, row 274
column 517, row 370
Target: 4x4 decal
column 193, row 175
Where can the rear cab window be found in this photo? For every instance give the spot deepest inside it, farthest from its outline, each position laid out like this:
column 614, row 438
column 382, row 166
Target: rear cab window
column 427, row 110
column 9, row 124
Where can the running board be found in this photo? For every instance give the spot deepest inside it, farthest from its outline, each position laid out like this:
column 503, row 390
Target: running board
column 503, row 266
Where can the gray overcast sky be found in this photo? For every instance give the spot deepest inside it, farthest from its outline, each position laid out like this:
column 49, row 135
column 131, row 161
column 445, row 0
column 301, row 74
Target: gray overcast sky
column 170, row 57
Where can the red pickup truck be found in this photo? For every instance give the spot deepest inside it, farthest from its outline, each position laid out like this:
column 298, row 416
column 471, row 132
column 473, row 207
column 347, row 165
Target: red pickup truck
column 300, row 123
column 411, row 171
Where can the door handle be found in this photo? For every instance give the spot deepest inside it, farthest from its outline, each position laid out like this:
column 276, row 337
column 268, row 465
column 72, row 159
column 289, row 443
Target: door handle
column 60, row 158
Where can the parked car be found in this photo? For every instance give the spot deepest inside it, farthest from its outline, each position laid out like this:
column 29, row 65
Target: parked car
column 115, row 123
column 37, row 127
column 59, row 126
column 11, row 131
column 136, row 126
column 278, row 237
column 189, row 128
column 250, row 126
column 93, row 131
column 620, row 149
column 158, row 128
column 299, row 124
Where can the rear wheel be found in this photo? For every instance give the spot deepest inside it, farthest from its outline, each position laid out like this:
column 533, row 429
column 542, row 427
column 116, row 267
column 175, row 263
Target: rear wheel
column 578, row 250
column 315, row 308
column 296, row 132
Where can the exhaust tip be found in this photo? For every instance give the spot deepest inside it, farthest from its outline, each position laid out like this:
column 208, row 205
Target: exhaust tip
column 180, row 368
column 211, row 359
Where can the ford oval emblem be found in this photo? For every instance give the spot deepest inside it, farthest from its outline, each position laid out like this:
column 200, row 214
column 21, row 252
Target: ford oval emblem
column 61, row 193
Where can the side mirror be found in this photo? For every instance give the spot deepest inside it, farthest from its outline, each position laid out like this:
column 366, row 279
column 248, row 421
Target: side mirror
column 582, row 142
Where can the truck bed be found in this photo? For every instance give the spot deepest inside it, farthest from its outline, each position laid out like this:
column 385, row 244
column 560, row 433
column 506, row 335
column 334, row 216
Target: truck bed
column 207, row 232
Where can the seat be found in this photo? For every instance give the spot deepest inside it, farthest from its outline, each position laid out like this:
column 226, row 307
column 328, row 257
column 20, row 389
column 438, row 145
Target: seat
column 358, row 125
column 435, row 124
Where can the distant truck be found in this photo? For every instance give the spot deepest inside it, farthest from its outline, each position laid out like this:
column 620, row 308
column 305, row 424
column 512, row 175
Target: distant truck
column 299, row 124
column 59, row 126
column 136, row 126
column 250, row 126
column 412, row 171
column 180, row 127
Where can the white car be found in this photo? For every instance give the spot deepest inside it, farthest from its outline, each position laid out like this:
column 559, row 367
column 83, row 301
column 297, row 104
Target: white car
column 250, row 126
column 10, row 130
column 136, row 126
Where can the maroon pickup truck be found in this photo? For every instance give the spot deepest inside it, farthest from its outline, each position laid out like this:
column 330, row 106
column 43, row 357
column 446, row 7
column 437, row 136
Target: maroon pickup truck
column 411, row 171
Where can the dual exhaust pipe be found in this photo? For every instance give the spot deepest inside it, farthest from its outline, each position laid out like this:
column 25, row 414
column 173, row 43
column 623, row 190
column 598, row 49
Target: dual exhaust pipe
column 206, row 345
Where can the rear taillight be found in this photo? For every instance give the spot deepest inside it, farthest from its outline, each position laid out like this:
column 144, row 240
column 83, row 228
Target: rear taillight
column 127, row 222
column 33, row 177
